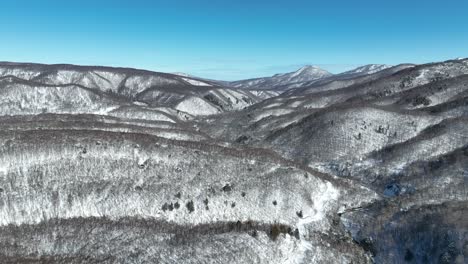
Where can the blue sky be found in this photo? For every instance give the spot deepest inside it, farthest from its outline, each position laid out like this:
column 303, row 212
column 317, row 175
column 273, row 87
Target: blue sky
column 233, row 39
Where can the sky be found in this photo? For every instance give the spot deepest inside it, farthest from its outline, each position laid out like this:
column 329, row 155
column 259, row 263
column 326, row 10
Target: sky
column 236, row 39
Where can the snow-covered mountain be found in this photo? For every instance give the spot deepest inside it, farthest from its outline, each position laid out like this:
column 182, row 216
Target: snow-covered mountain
column 304, row 74
column 92, row 89
column 302, row 77
column 366, row 69
column 113, row 165
column 400, row 132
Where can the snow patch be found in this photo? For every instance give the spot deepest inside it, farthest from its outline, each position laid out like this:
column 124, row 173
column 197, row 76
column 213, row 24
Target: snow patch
column 183, row 74
column 140, row 103
column 196, row 82
column 3, row 169
column 197, row 106
column 329, row 193
column 105, row 111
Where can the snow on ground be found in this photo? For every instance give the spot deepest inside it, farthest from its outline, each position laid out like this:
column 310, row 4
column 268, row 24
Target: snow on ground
column 272, row 112
column 264, row 94
column 137, row 84
column 197, row 106
column 183, row 74
column 105, row 110
column 422, row 74
column 138, row 103
column 236, row 99
column 196, row 82
column 142, row 113
column 3, row 169
column 19, row 73
column 272, row 105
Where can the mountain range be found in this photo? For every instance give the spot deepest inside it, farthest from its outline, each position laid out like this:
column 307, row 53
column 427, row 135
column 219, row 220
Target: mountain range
column 304, row 76
column 120, row 165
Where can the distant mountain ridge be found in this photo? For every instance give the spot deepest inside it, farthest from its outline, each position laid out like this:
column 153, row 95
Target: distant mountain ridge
column 367, row 69
column 303, row 76
column 84, row 89
column 306, row 73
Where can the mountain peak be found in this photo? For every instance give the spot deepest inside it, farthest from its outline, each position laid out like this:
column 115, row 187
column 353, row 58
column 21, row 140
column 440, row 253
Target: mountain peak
column 308, row 67
column 310, row 70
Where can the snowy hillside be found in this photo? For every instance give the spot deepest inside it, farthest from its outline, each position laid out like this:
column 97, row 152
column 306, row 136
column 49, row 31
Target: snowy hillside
column 118, row 165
